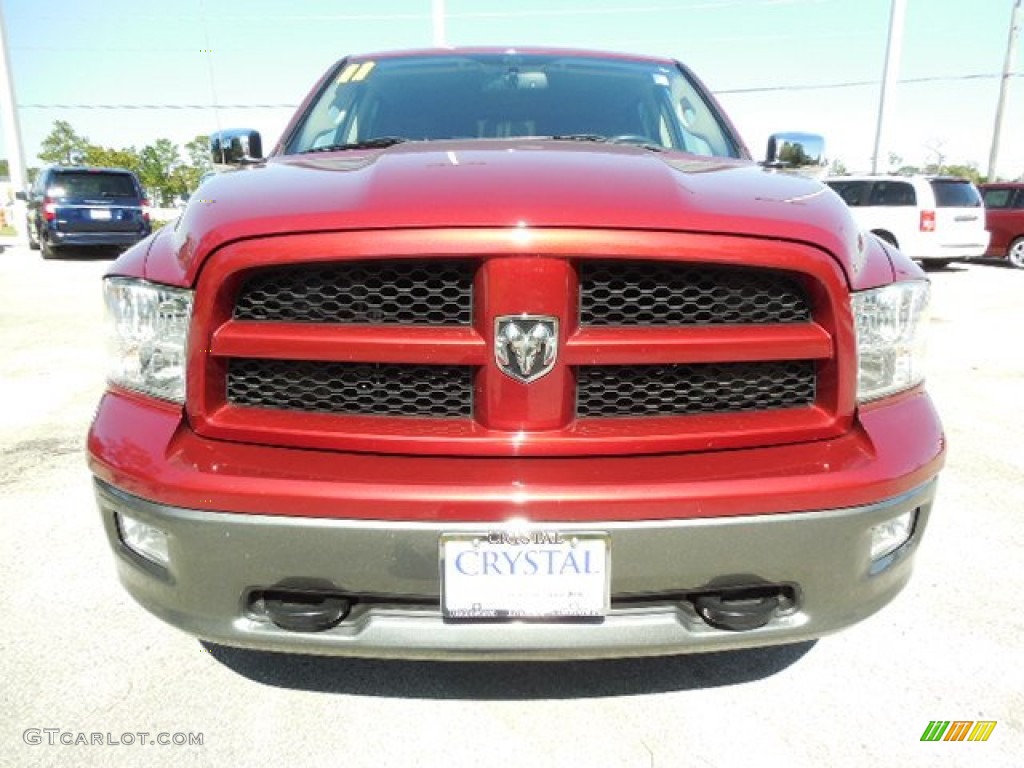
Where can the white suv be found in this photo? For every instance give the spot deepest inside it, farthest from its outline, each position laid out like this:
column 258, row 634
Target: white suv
column 933, row 219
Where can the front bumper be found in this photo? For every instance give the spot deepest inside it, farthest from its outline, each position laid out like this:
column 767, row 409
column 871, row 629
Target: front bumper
column 219, row 562
column 241, row 519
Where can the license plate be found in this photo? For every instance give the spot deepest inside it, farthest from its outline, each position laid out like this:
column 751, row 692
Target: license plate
column 531, row 574
column 100, row 214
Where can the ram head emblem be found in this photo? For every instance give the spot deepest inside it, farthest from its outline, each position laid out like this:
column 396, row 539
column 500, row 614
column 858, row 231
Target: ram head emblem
column 525, row 346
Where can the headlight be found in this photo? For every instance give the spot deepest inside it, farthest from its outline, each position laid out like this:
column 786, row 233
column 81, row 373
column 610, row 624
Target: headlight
column 890, row 338
column 148, row 330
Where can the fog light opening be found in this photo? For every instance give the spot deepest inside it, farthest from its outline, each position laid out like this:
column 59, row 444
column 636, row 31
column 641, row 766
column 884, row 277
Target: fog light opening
column 889, row 536
column 143, row 539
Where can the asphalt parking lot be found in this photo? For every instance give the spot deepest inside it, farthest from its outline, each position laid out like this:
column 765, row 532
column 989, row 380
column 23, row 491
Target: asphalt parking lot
column 80, row 659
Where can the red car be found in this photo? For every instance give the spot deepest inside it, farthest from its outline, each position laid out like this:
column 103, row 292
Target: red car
column 1004, row 219
column 514, row 354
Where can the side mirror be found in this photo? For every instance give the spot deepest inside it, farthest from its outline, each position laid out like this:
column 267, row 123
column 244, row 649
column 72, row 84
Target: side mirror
column 20, row 196
column 795, row 151
column 236, row 147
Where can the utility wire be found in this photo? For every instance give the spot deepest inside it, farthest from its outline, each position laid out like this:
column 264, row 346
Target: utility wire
column 158, row 106
column 725, row 91
column 702, row 5
column 861, row 83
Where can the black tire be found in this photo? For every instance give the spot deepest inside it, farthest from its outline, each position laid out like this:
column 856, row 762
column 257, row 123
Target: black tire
column 931, row 264
column 1015, row 253
column 33, row 241
column 49, row 251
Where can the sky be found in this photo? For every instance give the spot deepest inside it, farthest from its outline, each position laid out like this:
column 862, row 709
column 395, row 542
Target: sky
column 179, row 68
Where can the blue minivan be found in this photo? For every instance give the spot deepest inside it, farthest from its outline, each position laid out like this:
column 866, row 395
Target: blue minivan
column 86, row 207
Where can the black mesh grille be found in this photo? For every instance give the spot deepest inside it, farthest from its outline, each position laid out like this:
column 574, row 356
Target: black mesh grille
column 674, row 390
column 364, row 389
column 407, row 292
column 665, row 293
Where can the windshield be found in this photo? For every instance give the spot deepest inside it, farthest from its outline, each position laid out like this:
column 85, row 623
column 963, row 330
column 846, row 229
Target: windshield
column 497, row 96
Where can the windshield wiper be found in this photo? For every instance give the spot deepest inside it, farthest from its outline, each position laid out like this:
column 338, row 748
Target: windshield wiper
column 596, row 137
column 635, row 139
column 380, row 142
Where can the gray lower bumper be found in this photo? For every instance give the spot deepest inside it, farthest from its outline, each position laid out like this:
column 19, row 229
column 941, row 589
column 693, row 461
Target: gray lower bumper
column 217, row 560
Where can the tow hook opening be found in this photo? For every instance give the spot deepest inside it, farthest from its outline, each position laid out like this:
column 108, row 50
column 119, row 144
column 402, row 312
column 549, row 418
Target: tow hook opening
column 740, row 609
column 298, row 609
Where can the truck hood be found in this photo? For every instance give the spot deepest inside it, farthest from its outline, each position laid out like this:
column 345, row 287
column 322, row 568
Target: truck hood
column 513, row 183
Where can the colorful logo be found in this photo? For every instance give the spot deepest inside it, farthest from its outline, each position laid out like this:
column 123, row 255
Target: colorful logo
column 958, row 730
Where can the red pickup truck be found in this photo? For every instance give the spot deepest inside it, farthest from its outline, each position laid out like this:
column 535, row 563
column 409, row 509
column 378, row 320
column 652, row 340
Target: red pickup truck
column 514, row 354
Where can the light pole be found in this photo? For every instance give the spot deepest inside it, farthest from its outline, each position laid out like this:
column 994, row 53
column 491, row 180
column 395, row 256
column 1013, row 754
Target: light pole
column 1004, row 84
column 439, row 31
column 12, row 129
column 893, row 50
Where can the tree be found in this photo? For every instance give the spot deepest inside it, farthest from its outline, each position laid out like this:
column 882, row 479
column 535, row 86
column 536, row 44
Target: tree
column 936, row 150
column 968, row 171
column 794, row 155
column 838, row 168
column 62, row 146
column 157, row 164
column 108, row 157
column 198, row 153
